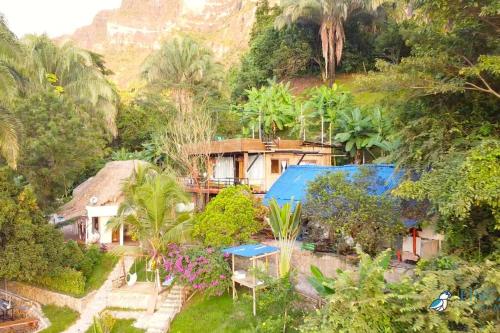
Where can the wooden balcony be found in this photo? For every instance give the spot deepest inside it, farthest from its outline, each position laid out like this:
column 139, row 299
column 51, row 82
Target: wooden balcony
column 213, row 186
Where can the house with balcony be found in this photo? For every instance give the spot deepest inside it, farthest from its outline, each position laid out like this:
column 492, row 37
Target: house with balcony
column 254, row 162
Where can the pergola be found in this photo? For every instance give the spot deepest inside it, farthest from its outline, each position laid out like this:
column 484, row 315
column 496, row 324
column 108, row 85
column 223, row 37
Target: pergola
column 247, row 278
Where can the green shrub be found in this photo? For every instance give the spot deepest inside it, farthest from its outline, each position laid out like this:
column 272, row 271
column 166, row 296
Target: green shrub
column 363, row 301
column 72, row 255
column 348, row 209
column 228, row 219
column 65, row 280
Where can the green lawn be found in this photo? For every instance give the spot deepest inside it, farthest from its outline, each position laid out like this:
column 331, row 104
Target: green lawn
column 100, row 272
column 140, row 267
column 60, row 318
column 360, row 98
column 214, row 315
column 121, row 326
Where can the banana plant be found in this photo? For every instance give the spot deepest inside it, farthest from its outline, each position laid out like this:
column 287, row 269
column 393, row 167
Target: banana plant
column 327, row 103
column 271, row 107
column 324, row 285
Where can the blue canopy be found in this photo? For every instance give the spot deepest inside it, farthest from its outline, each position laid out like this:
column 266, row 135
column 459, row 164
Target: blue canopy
column 251, row 250
column 294, row 181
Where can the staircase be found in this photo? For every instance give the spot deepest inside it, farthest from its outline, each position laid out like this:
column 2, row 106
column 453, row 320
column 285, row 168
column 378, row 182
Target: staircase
column 159, row 322
column 270, row 145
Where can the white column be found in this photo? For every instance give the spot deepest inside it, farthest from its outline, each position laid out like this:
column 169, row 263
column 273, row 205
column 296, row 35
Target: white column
column 121, row 235
column 88, row 228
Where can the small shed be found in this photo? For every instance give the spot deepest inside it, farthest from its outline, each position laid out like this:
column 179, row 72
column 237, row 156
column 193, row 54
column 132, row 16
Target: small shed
column 247, row 278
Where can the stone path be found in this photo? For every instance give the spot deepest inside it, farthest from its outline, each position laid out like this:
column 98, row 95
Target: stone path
column 98, row 302
column 159, row 322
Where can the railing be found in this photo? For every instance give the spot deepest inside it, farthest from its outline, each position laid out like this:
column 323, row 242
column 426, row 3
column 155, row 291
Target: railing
column 214, row 182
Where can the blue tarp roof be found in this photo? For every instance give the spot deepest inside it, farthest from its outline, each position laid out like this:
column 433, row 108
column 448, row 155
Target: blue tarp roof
column 251, row 250
column 294, row 181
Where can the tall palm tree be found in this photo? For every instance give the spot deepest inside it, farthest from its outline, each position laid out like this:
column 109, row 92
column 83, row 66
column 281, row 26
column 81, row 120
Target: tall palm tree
column 74, row 73
column 9, row 147
column 185, row 68
column 330, row 15
column 149, row 211
column 10, row 83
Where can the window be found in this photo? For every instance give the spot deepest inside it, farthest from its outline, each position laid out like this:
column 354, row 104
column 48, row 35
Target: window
column 95, row 223
column 275, row 166
column 278, row 166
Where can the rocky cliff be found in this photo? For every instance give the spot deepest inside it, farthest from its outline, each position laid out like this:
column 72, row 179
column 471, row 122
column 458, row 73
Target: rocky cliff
column 125, row 36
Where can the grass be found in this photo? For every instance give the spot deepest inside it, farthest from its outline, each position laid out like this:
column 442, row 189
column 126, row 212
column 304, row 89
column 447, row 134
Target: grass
column 121, row 326
column 60, row 318
column 215, row 315
column 139, row 266
column 361, row 99
column 100, row 272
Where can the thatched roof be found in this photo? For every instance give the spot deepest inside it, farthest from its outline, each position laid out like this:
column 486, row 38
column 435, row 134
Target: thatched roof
column 106, row 186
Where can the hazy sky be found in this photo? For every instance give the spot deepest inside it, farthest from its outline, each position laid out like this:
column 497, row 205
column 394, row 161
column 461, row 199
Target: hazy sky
column 54, row 17
column 59, row 17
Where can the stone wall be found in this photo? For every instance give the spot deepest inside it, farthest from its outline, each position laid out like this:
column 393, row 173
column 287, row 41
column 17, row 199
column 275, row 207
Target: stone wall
column 328, row 263
column 44, row 296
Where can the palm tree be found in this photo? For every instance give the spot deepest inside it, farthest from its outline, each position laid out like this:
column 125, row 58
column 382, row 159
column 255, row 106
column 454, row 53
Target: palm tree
column 9, row 147
column 10, row 82
column 149, row 211
column 74, row 73
column 330, row 15
column 185, row 68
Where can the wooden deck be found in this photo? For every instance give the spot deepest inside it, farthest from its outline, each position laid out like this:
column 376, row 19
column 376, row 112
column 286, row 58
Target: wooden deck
column 250, row 146
column 20, row 325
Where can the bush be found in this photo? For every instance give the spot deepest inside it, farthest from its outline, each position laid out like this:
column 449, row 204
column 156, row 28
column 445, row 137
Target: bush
column 202, row 269
column 65, row 280
column 228, row 219
column 277, row 307
column 348, row 209
column 364, row 302
column 72, row 255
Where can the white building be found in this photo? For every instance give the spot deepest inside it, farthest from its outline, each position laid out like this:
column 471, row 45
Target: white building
column 95, row 202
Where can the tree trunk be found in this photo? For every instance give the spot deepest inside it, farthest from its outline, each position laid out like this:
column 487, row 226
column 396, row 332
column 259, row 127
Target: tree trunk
column 331, row 68
column 357, row 157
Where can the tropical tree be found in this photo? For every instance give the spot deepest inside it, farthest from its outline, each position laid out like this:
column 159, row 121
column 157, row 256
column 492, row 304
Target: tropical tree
column 270, row 107
column 149, row 211
column 9, row 147
column 330, row 15
column 185, row 68
column 10, row 81
column 327, row 103
column 359, row 134
column 74, row 73
column 285, row 224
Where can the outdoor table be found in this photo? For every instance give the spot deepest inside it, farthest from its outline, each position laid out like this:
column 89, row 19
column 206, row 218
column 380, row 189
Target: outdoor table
column 5, row 308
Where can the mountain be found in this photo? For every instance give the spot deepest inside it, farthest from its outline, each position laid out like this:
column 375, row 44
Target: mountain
column 125, row 36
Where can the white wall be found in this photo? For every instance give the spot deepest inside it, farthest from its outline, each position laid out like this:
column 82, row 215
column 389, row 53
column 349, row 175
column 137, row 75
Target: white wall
column 224, row 167
column 104, row 214
column 257, row 172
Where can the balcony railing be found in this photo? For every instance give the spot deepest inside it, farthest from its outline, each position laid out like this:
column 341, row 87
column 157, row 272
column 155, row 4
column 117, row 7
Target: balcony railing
column 214, row 182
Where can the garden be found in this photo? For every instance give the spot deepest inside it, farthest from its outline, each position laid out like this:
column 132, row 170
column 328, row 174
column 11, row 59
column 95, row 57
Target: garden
column 414, row 84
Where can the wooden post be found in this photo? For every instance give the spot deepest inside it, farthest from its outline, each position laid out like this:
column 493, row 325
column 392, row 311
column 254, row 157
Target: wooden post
column 254, row 302
column 253, row 289
column 232, row 278
column 254, row 269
